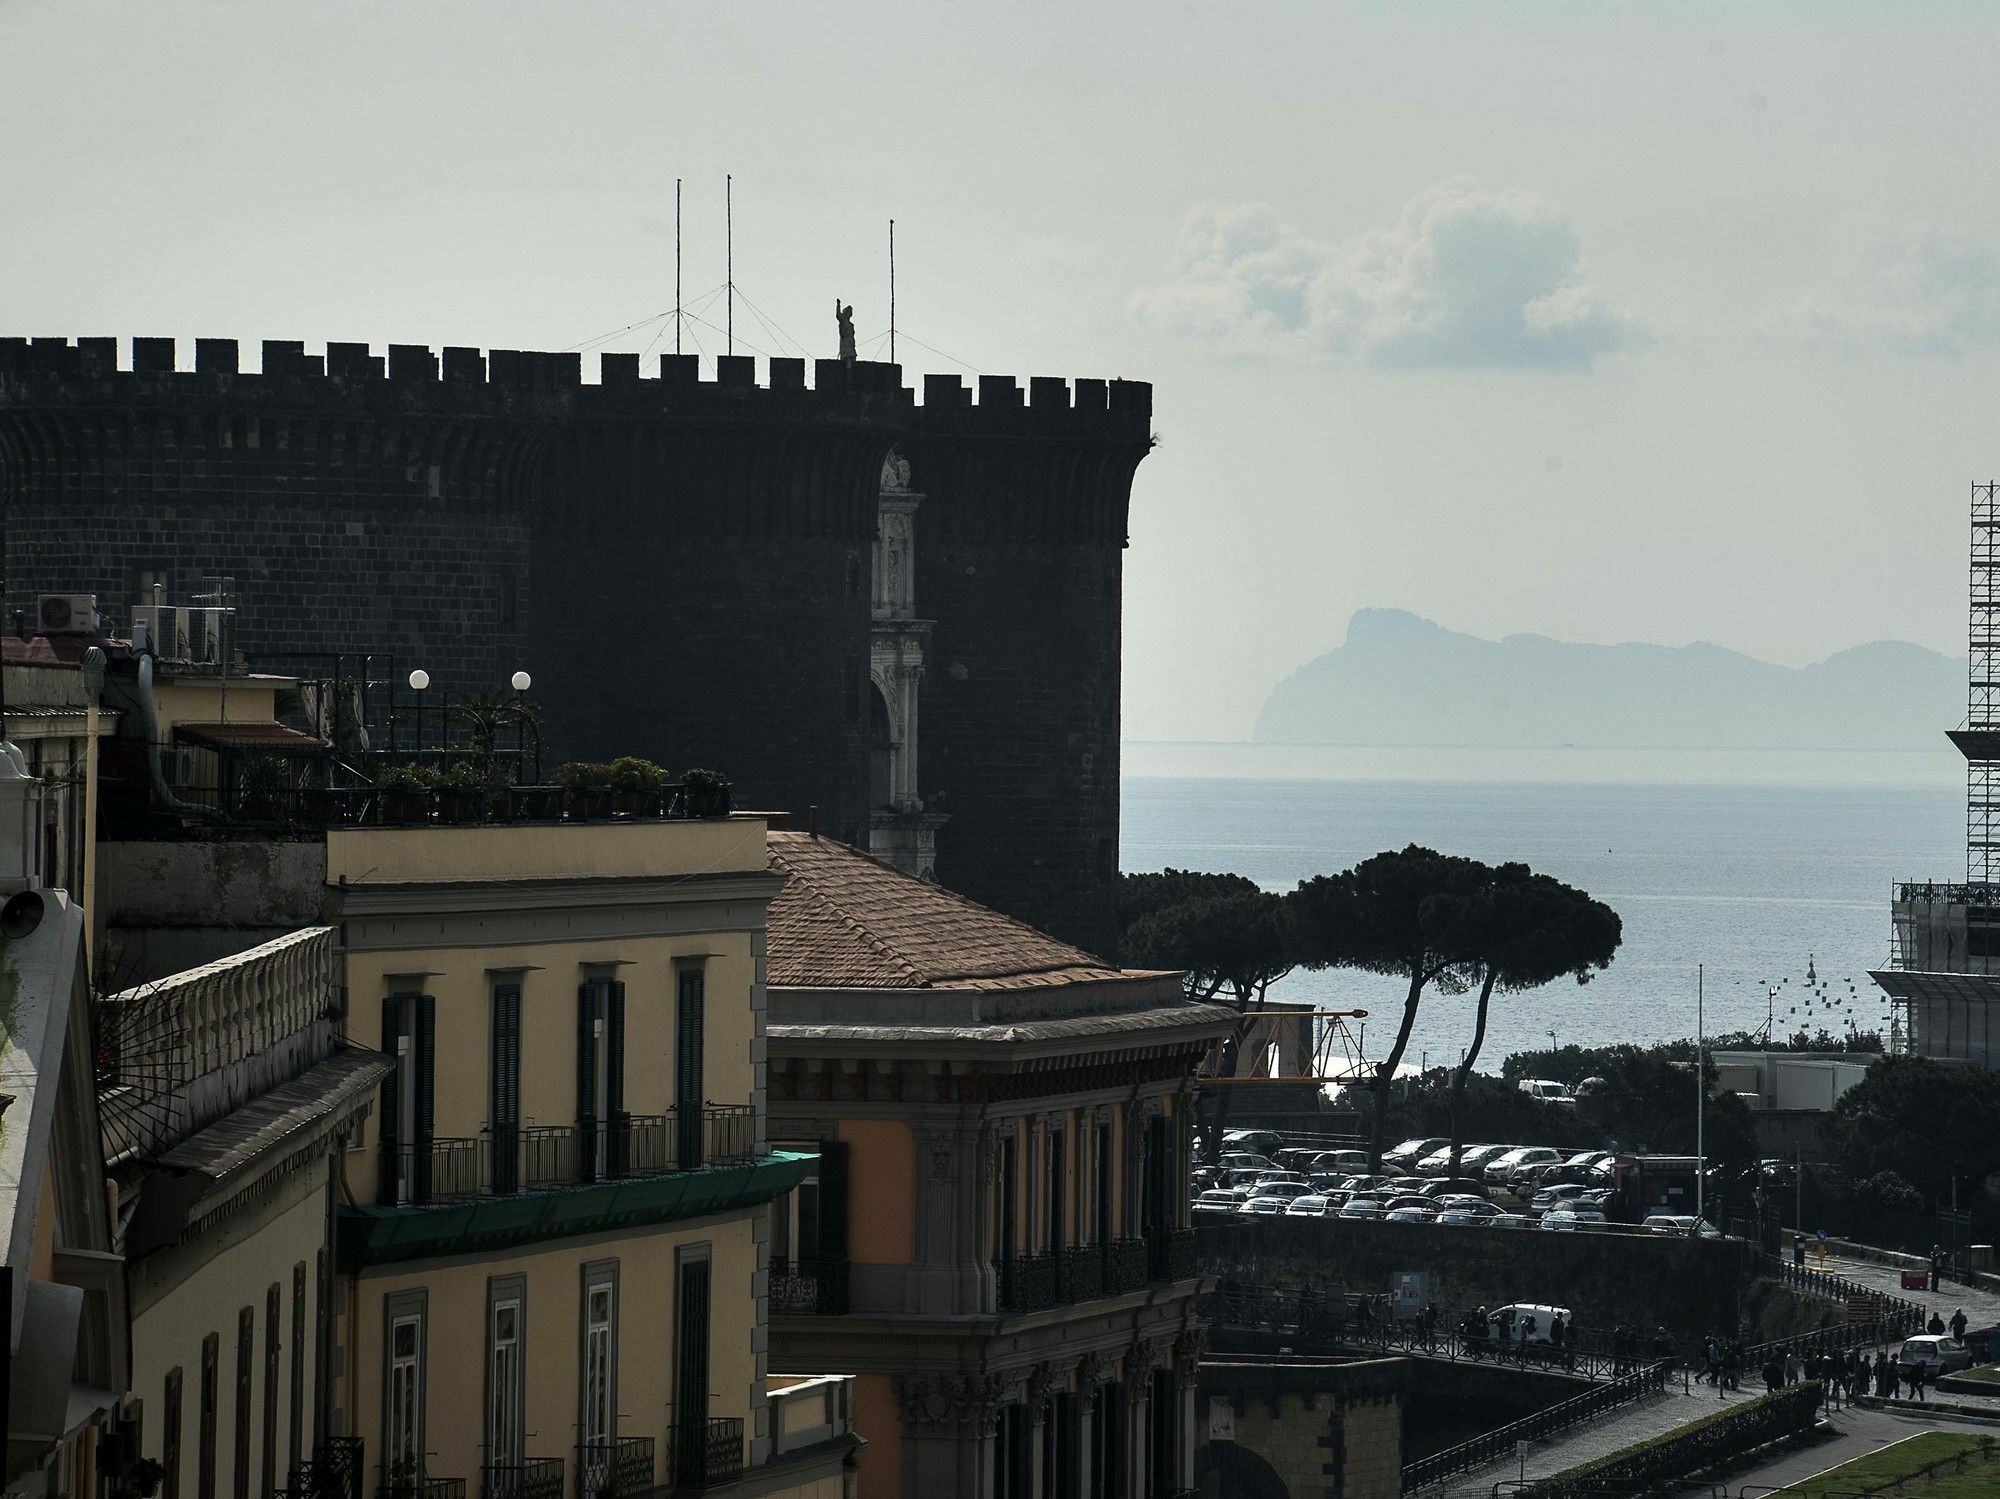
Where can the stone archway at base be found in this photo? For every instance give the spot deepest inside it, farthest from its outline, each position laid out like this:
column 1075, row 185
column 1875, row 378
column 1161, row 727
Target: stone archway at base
column 1225, row 1470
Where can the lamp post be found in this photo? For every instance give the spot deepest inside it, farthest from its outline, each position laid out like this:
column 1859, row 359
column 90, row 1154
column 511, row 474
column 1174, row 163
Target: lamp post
column 521, row 682
column 419, row 680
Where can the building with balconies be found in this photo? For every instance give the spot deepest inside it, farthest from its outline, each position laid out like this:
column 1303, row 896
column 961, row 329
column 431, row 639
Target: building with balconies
column 994, row 1237
column 554, row 1231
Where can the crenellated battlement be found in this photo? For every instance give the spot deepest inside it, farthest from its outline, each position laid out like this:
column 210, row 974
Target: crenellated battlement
column 218, row 366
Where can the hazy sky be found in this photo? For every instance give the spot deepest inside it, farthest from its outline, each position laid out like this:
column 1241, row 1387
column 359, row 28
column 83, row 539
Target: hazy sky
column 1606, row 321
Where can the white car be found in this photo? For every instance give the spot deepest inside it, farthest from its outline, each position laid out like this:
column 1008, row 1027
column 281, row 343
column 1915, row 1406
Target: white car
column 1411, row 1215
column 1502, row 1169
column 1477, row 1207
column 1680, row 1225
column 1938, row 1355
column 1404, row 1157
column 1218, row 1200
column 1308, row 1206
column 1470, row 1159
column 1361, row 1207
column 1568, row 1220
column 1265, row 1206
column 1281, row 1188
column 1512, row 1220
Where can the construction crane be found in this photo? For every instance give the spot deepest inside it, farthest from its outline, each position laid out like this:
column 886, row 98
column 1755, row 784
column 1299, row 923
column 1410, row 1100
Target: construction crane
column 1333, row 1054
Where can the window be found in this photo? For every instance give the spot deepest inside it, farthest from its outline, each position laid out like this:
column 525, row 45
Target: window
column 270, row 1468
column 1107, row 1441
column 505, row 1298
column 409, row 1034
column 599, row 1394
column 403, row 1383
column 690, row 1008
column 1102, row 1172
column 691, row 1367
column 297, row 1429
column 170, row 1436
column 1006, row 1189
column 211, row 1374
column 246, row 1333
column 600, row 1078
column 1054, row 1183
column 503, row 1104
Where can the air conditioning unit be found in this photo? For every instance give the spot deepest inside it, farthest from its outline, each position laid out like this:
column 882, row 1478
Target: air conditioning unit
column 66, row 613
column 166, row 627
column 207, row 634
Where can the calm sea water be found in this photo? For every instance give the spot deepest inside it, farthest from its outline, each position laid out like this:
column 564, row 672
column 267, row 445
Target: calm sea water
column 1751, row 877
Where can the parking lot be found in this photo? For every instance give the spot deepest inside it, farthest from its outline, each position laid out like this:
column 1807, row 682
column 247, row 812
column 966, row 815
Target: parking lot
column 1495, row 1185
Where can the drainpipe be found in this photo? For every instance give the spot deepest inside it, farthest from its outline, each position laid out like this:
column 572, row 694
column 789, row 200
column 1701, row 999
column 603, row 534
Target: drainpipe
column 150, row 714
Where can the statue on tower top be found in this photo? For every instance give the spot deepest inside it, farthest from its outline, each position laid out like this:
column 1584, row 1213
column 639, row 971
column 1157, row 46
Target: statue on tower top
column 844, row 315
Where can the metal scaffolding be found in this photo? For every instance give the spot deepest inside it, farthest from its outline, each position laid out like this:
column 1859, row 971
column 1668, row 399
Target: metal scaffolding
column 1979, row 740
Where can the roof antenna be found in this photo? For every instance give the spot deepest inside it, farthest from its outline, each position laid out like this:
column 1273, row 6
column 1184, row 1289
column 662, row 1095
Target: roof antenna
column 812, row 820
column 892, row 291
column 677, row 265
column 729, row 255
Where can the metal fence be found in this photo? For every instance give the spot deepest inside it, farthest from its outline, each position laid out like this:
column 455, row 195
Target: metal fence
column 1543, row 1424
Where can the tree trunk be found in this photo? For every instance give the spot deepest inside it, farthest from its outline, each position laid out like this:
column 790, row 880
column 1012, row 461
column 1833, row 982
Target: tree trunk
column 1465, row 1066
column 1249, row 1006
column 1387, row 1071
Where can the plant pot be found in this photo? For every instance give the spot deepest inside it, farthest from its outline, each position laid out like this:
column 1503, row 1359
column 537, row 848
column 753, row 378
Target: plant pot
column 706, row 801
column 406, row 806
column 634, row 803
column 461, row 806
column 535, row 803
column 586, row 803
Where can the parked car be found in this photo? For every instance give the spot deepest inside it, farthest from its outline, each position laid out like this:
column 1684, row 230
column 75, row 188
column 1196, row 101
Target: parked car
column 1549, row 1197
column 1366, row 1183
column 1245, row 1160
column 1569, row 1220
column 1265, row 1206
column 1470, row 1159
column 1543, row 1090
column 1283, row 1190
column 1296, row 1157
column 1404, row 1157
column 1478, row 1207
column 1361, row 1207
column 1341, row 1160
column 1464, row 1217
column 1455, row 1186
column 1410, row 1200
column 1218, row 1200
column 1939, row 1354
column 1424, row 1214
column 1681, row 1225
column 1526, row 1321
column 1502, row 1169
column 1407, row 1183
column 1310, row 1205
column 1512, row 1220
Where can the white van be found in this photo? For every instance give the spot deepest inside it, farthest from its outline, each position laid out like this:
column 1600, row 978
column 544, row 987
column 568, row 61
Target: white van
column 1541, row 1088
column 1526, row 1322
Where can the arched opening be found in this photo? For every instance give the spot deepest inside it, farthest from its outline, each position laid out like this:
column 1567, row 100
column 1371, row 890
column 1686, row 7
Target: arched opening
column 1226, row 1470
column 881, row 750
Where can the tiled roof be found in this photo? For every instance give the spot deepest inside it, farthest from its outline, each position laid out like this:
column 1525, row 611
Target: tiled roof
column 249, row 734
column 847, row 920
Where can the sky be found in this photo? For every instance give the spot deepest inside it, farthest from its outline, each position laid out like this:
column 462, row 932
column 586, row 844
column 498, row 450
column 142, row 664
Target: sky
column 1605, row 321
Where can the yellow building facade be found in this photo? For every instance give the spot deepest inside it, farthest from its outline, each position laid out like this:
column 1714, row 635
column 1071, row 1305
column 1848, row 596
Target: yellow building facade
column 553, row 1233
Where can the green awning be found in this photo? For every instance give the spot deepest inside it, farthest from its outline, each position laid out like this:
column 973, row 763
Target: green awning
column 388, row 1235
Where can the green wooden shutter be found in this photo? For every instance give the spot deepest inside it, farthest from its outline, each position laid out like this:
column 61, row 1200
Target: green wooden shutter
column 423, row 1051
column 690, row 1008
column 505, row 1102
column 586, row 1080
column 832, row 1202
column 614, row 1079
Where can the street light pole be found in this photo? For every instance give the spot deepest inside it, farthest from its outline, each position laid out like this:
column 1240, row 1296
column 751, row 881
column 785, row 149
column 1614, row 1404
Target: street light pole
column 1700, row 1094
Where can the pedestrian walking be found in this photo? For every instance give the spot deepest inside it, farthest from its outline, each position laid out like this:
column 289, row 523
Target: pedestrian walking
column 1935, row 1327
column 1885, row 1376
column 1918, row 1374
column 1774, row 1375
column 1958, row 1324
column 1937, row 1265
column 1795, row 1367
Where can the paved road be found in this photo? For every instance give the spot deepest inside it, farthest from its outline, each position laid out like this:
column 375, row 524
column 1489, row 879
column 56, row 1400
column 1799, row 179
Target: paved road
column 1857, row 1432
column 1982, row 1307
column 1614, row 1430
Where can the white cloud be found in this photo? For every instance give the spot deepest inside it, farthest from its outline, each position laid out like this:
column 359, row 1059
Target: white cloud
column 1468, row 277
column 1916, row 291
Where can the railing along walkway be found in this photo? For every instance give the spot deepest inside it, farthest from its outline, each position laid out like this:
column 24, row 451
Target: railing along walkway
column 1499, row 1442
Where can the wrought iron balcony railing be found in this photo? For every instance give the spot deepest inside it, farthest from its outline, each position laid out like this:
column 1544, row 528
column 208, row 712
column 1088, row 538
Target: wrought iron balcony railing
column 1171, row 1254
column 1029, row 1282
column 1083, row 1272
column 707, row 1453
column 399, row 1485
column 808, row 1287
column 506, row 1159
column 531, row 1478
column 614, row 1469
column 1124, row 1266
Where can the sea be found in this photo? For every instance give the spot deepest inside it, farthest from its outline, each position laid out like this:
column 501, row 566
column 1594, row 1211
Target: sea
column 1733, row 871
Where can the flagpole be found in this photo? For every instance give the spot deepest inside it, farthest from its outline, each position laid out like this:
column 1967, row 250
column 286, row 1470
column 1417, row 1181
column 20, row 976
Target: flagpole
column 1700, row 1095
column 677, row 265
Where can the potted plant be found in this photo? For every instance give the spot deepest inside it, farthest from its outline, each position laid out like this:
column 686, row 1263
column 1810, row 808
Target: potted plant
column 405, row 792
column 704, row 793
column 586, row 789
column 535, row 803
column 635, row 786
column 463, row 793
column 261, row 784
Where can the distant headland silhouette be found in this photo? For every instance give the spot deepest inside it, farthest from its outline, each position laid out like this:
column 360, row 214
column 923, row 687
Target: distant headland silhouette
column 1401, row 679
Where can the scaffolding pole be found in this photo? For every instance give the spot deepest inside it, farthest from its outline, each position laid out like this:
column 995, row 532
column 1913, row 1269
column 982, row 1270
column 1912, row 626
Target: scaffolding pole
column 1980, row 740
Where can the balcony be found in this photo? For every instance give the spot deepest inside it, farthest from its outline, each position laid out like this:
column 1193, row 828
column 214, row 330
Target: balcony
column 809, row 1412
column 1083, row 1272
column 542, row 1158
column 1125, row 1267
column 708, row 1454
column 1171, row 1255
column 614, row 1469
column 532, row 1478
column 1029, row 1282
column 808, row 1287
column 394, row 1485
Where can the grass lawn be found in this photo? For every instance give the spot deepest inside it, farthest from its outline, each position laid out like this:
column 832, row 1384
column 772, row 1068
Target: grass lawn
column 1980, row 1478
column 1984, row 1373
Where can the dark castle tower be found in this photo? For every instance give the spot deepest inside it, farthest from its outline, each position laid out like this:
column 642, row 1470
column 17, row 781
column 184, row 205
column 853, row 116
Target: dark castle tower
column 682, row 564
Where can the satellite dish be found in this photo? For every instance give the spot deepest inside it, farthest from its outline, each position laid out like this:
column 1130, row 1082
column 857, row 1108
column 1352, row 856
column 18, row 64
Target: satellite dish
column 21, row 915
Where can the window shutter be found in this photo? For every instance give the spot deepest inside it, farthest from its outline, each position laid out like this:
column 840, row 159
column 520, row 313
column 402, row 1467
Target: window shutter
column 614, row 1077
column 392, row 1102
column 506, row 1087
column 690, row 1006
column 832, row 1202
column 423, row 1050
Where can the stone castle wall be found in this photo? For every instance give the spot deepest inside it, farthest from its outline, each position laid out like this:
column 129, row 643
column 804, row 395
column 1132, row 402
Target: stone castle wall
column 682, row 564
